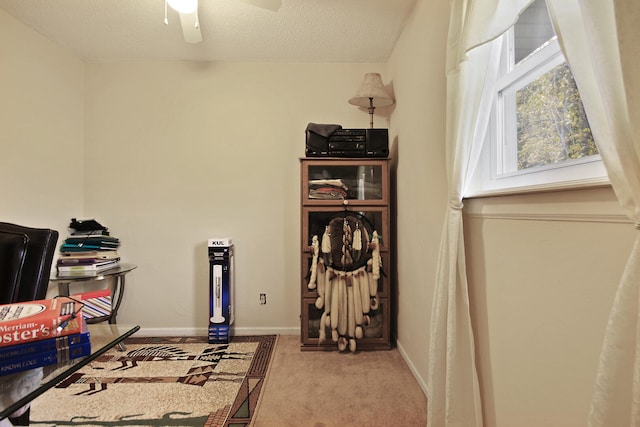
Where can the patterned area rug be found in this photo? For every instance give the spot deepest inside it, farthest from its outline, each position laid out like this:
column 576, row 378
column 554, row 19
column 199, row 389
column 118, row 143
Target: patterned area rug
column 169, row 381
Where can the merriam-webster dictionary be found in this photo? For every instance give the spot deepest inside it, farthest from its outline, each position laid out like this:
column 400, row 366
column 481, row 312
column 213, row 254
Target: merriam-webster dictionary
column 39, row 320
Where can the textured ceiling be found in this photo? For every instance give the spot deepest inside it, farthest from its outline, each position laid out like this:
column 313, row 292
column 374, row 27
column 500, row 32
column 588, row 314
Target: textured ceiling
column 232, row 30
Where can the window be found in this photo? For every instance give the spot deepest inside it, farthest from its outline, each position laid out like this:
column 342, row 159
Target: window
column 539, row 136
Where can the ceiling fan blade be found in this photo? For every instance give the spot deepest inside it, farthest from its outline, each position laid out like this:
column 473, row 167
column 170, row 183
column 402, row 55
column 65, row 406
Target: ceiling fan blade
column 190, row 27
column 272, row 5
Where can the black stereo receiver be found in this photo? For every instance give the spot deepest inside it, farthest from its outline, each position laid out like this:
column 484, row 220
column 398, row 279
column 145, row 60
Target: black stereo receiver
column 348, row 143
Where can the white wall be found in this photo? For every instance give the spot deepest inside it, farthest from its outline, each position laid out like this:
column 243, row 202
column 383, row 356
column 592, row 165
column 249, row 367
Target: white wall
column 180, row 152
column 418, row 125
column 41, row 129
column 543, row 270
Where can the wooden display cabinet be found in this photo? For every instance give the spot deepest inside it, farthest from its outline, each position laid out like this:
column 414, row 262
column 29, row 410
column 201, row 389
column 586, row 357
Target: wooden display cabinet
column 338, row 197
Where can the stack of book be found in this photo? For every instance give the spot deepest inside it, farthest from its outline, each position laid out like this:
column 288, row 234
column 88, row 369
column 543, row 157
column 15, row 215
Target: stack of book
column 86, row 254
column 41, row 333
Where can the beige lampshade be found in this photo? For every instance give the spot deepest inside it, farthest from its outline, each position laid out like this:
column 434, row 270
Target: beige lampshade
column 184, row 6
column 371, row 88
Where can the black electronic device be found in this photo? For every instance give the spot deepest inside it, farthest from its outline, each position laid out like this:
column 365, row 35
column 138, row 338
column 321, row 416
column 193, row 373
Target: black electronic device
column 348, row 143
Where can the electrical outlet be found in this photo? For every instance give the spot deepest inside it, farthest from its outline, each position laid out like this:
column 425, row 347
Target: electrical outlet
column 263, row 299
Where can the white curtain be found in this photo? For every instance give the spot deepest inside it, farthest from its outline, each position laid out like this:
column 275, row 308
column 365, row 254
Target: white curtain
column 473, row 49
column 601, row 41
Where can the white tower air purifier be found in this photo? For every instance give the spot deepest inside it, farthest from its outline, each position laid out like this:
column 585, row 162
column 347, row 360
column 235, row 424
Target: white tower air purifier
column 221, row 288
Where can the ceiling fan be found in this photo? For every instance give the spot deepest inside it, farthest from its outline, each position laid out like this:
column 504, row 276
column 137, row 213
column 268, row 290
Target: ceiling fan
column 188, row 11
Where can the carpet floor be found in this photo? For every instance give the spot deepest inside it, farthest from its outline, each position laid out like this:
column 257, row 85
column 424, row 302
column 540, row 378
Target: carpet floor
column 334, row 389
column 169, row 381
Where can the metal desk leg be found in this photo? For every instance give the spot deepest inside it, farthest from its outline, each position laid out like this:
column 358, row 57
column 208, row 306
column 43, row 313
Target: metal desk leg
column 116, row 299
column 117, row 292
column 116, row 333
column 116, row 296
column 63, row 288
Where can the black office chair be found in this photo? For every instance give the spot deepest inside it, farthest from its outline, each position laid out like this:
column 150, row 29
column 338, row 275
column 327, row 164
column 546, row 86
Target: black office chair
column 26, row 255
column 36, row 269
column 13, row 248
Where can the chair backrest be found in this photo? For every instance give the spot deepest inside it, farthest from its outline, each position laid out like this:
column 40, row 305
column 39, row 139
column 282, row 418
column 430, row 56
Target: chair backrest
column 36, row 270
column 13, row 248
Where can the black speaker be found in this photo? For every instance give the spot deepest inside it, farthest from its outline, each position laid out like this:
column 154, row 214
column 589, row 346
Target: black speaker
column 377, row 144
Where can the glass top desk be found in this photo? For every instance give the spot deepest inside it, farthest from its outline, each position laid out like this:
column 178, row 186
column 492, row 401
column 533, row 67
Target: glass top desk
column 18, row 390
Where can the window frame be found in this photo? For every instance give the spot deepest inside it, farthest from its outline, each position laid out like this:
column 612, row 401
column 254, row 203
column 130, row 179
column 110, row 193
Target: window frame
column 495, row 173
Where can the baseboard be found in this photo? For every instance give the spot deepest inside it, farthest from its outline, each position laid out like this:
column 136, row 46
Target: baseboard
column 185, row 332
column 294, row 330
column 421, row 381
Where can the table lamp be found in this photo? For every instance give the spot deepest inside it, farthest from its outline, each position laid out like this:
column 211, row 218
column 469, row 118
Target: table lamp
column 371, row 94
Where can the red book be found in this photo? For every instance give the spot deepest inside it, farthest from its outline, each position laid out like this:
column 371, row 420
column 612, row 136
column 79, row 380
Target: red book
column 29, row 321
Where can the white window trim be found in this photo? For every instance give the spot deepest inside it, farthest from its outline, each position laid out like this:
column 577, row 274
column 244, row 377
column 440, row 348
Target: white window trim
column 492, row 175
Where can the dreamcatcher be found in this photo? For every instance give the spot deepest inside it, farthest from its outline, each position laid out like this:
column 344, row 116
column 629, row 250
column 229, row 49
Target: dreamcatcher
column 345, row 270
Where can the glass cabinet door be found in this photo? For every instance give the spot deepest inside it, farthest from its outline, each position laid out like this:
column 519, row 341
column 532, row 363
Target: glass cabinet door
column 316, row 220
column 305, row 270
column 356, row 182
column 375, row 332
